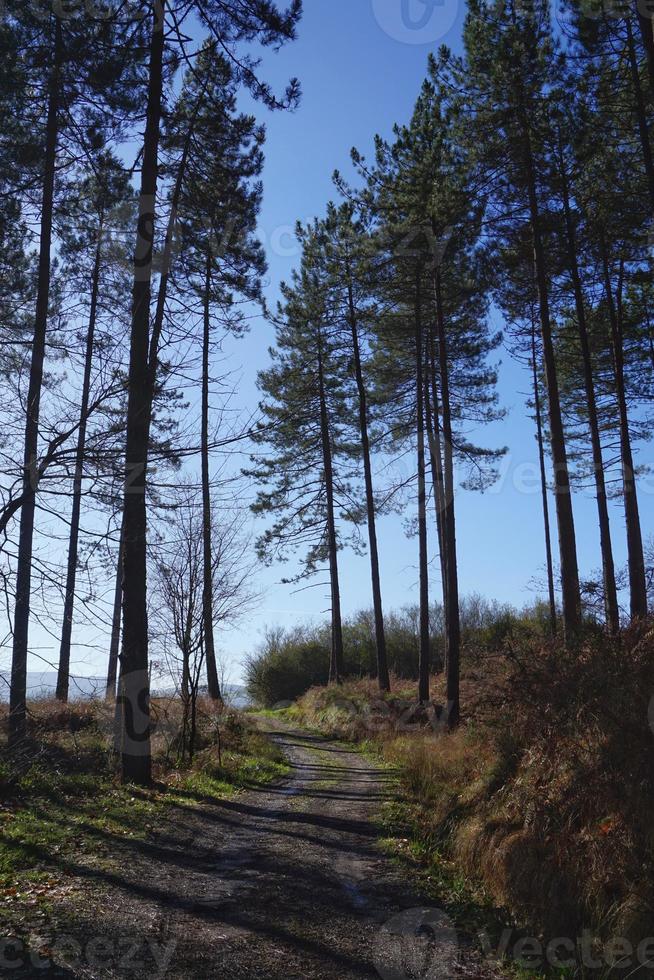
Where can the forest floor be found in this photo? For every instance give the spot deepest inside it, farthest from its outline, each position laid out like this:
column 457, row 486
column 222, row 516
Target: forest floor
column 289, row 880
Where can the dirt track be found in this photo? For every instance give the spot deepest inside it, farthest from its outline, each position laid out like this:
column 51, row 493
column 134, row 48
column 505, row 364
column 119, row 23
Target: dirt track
column 286, row 882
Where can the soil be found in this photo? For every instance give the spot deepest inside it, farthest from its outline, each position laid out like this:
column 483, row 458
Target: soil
column 283, row 882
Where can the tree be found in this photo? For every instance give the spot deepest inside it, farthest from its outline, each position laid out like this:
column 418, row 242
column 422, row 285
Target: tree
column 87, row 66
column 508, row 71
column 522, row 327
column 220, row 261
column 88, row 257
column 306, row 476
column 179, row 587
column 429, row 225
column 562, row 179
column 613, row 93
column 340, row 250
column 254, row 21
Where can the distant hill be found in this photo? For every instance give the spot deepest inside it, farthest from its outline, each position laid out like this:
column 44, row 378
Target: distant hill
column 42, row 684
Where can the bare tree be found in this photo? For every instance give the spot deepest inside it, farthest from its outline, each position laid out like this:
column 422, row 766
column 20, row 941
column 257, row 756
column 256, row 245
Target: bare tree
column 179, row 595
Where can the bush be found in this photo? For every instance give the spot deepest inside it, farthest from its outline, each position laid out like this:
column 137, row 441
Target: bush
column 286, row 666
column 545, row 794
column 289, row 662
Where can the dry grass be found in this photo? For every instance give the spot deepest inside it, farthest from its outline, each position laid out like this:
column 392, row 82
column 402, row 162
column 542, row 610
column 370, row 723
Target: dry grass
column 545, row 793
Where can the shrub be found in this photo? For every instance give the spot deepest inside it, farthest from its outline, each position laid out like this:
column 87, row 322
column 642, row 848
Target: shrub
column 289, row 662
column 545, row 793
column 286, row 666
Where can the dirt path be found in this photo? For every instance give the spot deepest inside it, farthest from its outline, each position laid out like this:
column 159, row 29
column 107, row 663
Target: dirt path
column 286, row 882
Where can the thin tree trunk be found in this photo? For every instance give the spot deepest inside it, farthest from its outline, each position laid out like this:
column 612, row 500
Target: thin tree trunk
column 63, row 674
column 436, row 457
column 452, row 616
column 543, row 485
column 431, row 440
column 18, row 693
column 423, row 559
column 119, row 710
column 636, row 560
column 207, row 591
column 135, row 749
column 380, row 638
column 565, row 519
column 336, row 667
column 641, row 114
column 186, row 677
column 167, row 253
column 194, row 716
column 611, row 607
column 112, row 667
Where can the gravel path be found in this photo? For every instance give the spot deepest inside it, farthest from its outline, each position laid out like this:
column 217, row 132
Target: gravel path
column 284, row 882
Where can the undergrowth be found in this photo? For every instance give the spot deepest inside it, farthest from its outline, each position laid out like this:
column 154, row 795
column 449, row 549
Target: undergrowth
column 540, row 802
column 63, row 808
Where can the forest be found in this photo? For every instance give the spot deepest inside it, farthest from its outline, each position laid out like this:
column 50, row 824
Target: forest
column 508, row 216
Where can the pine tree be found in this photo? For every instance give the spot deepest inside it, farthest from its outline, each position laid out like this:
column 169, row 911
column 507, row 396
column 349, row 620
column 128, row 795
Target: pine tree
column 254, row 21
column 220, row 261
column 342, row 252
column 508, row 73
column 612, row 219
column 87, row 244
column 429, row 223
column 306, row 477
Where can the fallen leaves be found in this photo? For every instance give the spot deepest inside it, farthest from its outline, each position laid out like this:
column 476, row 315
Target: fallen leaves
column 30, row 893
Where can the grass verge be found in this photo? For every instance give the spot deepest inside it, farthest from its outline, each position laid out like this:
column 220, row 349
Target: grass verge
column 63, row 810
column 537, row 810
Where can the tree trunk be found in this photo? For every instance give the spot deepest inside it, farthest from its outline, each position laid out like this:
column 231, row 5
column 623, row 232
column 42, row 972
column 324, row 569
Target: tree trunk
column 380, row 638
column 63, row 674
column 423, row 559
column 436, row 458
column 18, row 693
column 167, row 254
column 543, row 486
column 641, row 115
column 565, row 519
column 119, row 711
column 453, row 643
column 135, row 749
column 611, row 607
column 636, row 560
column 207, row 591
column 112, row 667
column 336, row 666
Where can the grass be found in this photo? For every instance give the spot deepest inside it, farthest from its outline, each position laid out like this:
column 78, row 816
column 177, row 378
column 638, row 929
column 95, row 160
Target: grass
column 63, row 805
column 537, row 810
column 412, row 824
